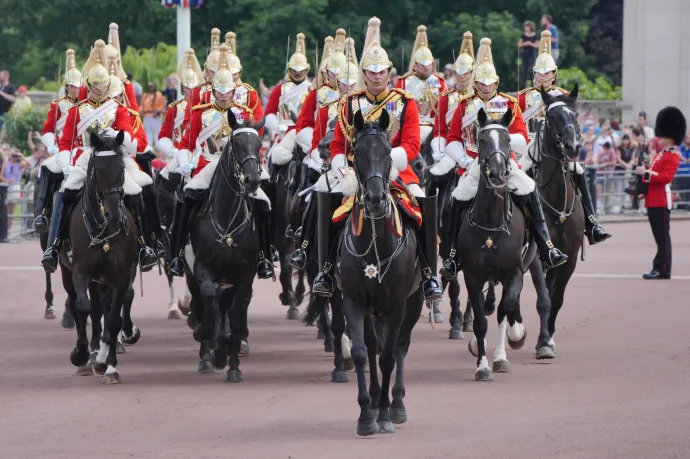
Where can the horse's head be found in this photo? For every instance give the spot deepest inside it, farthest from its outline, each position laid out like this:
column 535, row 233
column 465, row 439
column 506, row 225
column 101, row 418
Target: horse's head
column 324, row 146
column 244, row 149
column 107, row 173
column 561, row 123
column 371, row 147
column 494, row 148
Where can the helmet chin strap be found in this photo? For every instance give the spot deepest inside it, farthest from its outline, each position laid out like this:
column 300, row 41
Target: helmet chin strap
column 291, row 74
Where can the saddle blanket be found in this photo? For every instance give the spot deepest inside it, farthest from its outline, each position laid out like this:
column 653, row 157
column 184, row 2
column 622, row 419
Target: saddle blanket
column 404, row 200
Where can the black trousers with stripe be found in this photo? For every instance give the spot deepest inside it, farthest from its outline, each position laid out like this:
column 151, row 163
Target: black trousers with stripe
column 660, row 221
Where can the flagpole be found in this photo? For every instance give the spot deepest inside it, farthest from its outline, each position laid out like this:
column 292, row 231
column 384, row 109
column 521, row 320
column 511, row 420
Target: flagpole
column 184, row 35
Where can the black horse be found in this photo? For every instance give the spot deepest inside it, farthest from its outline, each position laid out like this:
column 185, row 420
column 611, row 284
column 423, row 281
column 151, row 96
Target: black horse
column 491, row 241
column 555, row 151
column 102, row 249
column 378, row 274
column 221, row 267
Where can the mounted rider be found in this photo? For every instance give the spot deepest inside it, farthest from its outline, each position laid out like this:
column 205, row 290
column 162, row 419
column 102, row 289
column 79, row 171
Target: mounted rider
column 425, row 85
column 199, row 153
column 348, row 79
column 374, row 97
column 202, row 94
column 101, row 114
column 545, row 74
column 462, row 149
column 114, row 54
column 450, row 100
column 170, row 135
column 244, row 93
column 285, row 103
column 50, row 174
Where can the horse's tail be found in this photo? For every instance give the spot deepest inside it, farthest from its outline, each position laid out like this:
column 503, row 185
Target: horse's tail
column 312, row 313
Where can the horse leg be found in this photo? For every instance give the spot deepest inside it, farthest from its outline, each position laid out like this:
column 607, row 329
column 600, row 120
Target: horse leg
column 339, row 373
column 387, row 365
column 238, row 317
column 209, row 328
column 114, row 324
column 300, row 288
column 68, row 315
column 455, row 313
column 366, row 424
column 467, row 318
column 50, row 310
column 436, row 311
column 490, row 301
column 82, row 308
column 287, row 297
column 173, row 308
column 205, row 366
column 183, row 304
column 244, row 345
column 415, row 304
column 474, row 289
column 372, row 340
column 223, row 300
column 544, row 351
column 559, row 282
column 325, row 322
column 130, row 332
column 510, row 302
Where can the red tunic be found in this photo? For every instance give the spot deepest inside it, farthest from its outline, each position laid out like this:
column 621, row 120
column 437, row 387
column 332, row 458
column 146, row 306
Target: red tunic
column 70, row 141
column 407, row 137
column 199, row 95
column 274, row 100
column 254, row 102
column 659, row 176
column 53, row 116
column 168, row 126
column 517, row 125
column 196, row 126
column 320, row 126
column 402, row 84
column 138, row 131
column 307, row 118
column 130, row 96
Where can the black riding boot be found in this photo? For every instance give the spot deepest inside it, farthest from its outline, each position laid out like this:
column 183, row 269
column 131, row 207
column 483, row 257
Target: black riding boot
column 262, row 221
column 180, row 228
column 299, row 257
column 449, row 270
column 46, row 184
column 147, row 258
column 153, row 221
column 594, row 232
column 550, row 255
column 61, row 206
column 327, row 241
column 428, row 246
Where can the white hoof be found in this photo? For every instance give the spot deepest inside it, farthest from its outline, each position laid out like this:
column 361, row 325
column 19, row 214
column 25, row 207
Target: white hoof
column 175, row 314
column 516, row 332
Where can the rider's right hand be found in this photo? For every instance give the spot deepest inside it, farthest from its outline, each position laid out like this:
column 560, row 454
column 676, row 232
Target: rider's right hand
column 67, row 170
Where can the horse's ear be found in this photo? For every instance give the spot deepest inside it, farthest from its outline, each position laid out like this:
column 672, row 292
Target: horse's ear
column 258, row 126
column 481, row 116
column 120, row 138
column 574, row 92
column 507, row 117
column 232, row 120
column 384, row 120
column 96, row 141
column 359, row 121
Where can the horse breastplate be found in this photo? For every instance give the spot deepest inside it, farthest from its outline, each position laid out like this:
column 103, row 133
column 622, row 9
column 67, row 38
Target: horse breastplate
column 494, row 108
column 394, row 105
column 292, row 97
column 99, row 124
column 427, row 94
column 326, row 95
column 534, row 108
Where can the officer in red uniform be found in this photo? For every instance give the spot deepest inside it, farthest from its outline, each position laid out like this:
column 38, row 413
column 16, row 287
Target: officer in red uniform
column 50, row 175
column 670, row 131
column 245, row 94
column 405, row 140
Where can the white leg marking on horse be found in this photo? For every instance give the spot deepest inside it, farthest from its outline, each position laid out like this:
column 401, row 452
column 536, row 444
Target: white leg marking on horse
column 516, row 332
column 347, row 346
column 103, row 352
column 111, row 369
column 500, row 352
column 552, row 342
column 483, row 365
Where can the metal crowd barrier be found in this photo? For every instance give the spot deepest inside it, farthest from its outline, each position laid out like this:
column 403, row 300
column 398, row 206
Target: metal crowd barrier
column 22, row 217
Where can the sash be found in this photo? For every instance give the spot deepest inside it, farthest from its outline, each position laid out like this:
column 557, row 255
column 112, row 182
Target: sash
column 209, row 130
column 469, row 119
column 179, row 118
column 296, row 91
column 450, row 113
column 84, row 123
column 60, row 124
column 531, row 112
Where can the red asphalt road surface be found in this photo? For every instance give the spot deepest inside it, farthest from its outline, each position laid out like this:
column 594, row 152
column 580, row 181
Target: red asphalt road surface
column 618, row 387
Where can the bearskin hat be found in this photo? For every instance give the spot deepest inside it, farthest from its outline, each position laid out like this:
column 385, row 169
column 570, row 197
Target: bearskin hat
column 670, row 124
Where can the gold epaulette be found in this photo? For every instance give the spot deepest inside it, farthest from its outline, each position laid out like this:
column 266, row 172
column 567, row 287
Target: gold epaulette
column 510, row 98
column 175, row 103
column 564, row 91
column 132, row 111
column 526, row 90
column 248, row 86
column 202, row 106
column 250, row 111
column 83, row 101
column 403, row 93
column 125, row 81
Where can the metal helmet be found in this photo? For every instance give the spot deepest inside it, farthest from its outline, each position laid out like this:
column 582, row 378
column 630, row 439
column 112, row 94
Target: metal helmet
column 235, row 64
column 465, row 61
column 212, row 58
column 189, row 71
column 374, row 57
column 486, row 71
column 72, row 74
column 421, row 54
column 321, row 75
column 97, row 75
column 223, row 82
column 116, row 87
column 298, row 61
column 348, row 74
column 545, row 63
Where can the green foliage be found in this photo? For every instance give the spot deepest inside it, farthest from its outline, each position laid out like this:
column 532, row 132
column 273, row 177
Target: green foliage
column 599, row 89
column 151, row 64
column 16, row 128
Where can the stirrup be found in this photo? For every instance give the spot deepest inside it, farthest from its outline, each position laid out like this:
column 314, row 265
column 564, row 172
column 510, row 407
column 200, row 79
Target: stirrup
column 176, row 267
column 40, row 224
column 289, row 233
column 323, row 285
column 50, row 259
column 265, row 270
column 298, row 259
column 147, row 258
column 433, row 288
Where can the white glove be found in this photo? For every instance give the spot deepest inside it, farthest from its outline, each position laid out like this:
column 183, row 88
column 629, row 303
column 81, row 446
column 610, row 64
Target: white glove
column 438, row 146
column 172, row 153
column 67, row 170
column 445, row 165
column 52, row 150
column 282, row 129
column 187, row 168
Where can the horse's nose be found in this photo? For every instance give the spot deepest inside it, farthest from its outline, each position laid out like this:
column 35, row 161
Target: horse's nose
column 251, row 182
column 375, row 198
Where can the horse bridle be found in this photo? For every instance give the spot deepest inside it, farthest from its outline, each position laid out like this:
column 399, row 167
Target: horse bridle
column 385, row 176
column 484, row 162
column 239, row 165
column 101, row 224
column 560, row 144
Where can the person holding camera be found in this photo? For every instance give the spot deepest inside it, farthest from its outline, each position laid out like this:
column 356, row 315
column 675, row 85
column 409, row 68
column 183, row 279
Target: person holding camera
column 670, row 131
